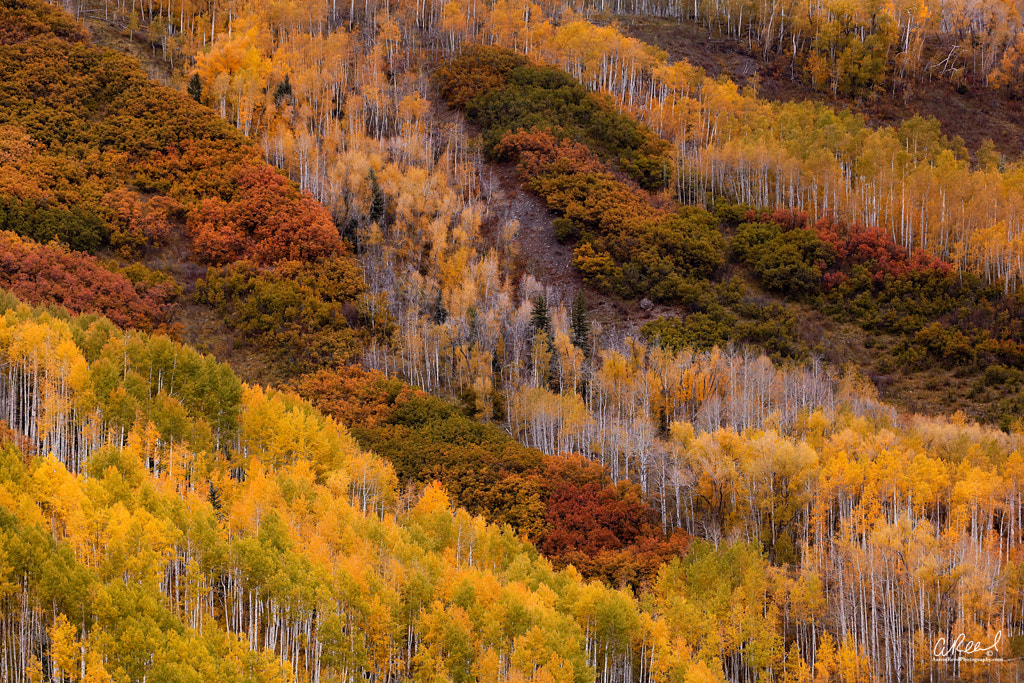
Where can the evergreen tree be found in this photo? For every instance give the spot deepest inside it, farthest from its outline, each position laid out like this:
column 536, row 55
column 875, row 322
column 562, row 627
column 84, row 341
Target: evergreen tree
column 214, row 498
column 378, row 203
column 284, row 89
column 544, row 334
column 440, row 312
column 541, row 318
column 580, row 324
column 473, row 323
column 195, row 88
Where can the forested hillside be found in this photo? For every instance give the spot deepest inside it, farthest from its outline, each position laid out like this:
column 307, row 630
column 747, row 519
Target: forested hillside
column 163, row 521
column 733, row 273
column 99, row 160
column 519, row 483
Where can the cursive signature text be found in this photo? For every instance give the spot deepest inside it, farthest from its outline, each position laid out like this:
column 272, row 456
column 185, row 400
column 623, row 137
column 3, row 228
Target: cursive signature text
column 961, row 647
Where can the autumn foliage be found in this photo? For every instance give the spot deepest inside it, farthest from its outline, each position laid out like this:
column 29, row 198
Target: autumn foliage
column 299, row 312
column 189, row 526
column 52, row 275
column 574, row 153
column 156, row 157
column 179, row 478
column 135, row 224
column 603, row 529
column 627, row 243
column 939, row 315
column 354, row 396
column 264, row 220
column 567, row 505
column 99, row 159
column 505, row 92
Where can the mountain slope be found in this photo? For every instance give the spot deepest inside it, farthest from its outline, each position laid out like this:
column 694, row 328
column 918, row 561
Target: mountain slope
column 104, row 161
column 835, row 536
column 162, row 520
column 976, row 113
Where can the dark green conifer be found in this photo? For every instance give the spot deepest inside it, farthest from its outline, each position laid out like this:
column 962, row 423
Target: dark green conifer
column 378, row 202
column 541, row 318
column 440, row 312
column 195, row 88
column 579, row 323
column 284, row 89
